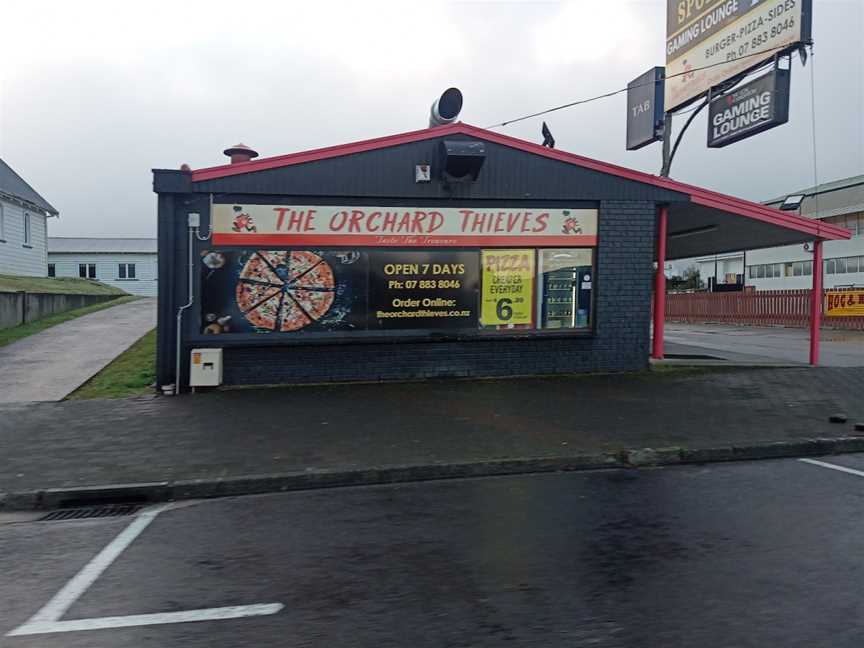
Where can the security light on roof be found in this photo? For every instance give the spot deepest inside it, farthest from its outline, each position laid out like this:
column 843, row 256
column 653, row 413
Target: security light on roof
column 792, row 202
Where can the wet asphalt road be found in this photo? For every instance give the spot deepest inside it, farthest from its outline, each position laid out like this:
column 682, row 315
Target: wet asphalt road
column 728, row 555
column 748, row 343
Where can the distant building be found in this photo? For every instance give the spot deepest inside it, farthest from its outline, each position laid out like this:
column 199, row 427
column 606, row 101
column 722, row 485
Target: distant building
column 127, row 263
column 24, row 218
column 840, row 202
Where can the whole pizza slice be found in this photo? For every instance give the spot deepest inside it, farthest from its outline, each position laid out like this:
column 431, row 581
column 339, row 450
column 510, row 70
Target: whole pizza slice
column 285, row 291
column 258, row 269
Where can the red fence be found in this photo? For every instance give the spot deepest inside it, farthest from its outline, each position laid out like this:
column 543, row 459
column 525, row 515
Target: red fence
column 760, row 308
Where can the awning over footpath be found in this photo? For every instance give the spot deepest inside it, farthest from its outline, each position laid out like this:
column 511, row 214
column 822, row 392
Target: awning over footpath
column 706, row 223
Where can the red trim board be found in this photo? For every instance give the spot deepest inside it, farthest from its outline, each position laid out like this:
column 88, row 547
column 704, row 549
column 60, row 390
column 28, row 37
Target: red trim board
column 697, row 195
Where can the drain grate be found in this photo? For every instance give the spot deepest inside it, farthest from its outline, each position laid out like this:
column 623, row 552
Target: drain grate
column 85, row 512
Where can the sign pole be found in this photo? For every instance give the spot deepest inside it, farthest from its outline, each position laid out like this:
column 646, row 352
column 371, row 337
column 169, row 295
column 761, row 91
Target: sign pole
column 816, row 302
column 667, row 145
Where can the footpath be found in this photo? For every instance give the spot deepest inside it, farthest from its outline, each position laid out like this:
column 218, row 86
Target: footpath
column 249, row 441
column 49, row 365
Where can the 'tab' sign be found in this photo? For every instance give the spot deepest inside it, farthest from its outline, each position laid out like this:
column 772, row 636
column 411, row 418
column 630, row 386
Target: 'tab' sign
column 754, row 107
column 645, row 109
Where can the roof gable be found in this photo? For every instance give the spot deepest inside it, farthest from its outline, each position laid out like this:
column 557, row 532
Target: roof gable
column 14, row 185
column 76, row 245
column 665, row 189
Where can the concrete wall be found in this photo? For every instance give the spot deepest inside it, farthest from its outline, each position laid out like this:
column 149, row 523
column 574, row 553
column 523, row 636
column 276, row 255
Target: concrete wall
column 853, row 248
column 17, row 257
column 20, row 307
column 145, row 282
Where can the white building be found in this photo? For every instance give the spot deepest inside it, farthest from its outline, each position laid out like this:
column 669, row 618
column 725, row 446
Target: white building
column 127, row 263
column 24, row 218
column 782, row 268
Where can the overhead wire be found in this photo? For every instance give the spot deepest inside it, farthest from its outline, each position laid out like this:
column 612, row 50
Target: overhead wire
column 813, row 132
column 621, row 90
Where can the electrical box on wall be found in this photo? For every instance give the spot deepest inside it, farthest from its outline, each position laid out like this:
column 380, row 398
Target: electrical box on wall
column 422, row 173
column 205, row 369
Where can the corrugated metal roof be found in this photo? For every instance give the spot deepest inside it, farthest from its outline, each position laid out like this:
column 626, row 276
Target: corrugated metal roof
column 14, row 185
column 698, row 196
column 61, row 245
column 833, row 198
column 843, row 183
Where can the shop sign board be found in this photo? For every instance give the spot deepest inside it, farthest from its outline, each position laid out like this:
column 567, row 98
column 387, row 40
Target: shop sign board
column 645, row 109
column 426, row 290
column 365, row 226
column 711, row 41
column 844, row 303
column 752, row 108
column 508, row 287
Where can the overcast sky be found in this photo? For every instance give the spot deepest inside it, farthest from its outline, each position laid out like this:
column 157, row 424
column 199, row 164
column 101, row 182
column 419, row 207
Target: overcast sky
column 93, row 95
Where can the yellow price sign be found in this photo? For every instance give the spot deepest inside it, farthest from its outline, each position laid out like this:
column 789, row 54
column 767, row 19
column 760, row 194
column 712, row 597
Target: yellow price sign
column 508, row 287
column 844, row 303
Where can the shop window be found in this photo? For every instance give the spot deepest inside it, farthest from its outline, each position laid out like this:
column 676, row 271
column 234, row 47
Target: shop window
column 840, row 266
column 760, row 272
column 51, row 270
column 830, row 266
column 368, row 292
column 564, row 288
column 787, row 269
column 126, row 271
column 752, row 271
column 808, row 268
column 852, row 264
column 798, row 268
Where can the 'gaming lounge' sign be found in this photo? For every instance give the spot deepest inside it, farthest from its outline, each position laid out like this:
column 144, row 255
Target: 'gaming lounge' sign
column 754, row 107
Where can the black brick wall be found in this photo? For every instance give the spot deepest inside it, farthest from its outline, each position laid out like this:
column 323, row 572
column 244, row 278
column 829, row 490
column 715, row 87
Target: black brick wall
column 620, row 343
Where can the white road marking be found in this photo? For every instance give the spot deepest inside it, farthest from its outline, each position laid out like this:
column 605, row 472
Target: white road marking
column 825, row 464
column 101, row 623
column 47, row 620
column 72, row 591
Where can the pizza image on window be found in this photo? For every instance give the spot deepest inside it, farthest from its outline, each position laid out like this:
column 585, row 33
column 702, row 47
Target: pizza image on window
column 285, row 291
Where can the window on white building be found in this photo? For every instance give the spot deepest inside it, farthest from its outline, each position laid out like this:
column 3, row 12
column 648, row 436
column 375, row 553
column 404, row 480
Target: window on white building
column 830, row 266
column 87, row 270
column 125, row 270
column 852, row 264
column 26, row 228
column 808, row 268
column 52, row 270
column 2, row 225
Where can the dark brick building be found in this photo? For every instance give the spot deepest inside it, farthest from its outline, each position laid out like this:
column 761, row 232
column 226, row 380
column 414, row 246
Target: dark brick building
column 450, row 251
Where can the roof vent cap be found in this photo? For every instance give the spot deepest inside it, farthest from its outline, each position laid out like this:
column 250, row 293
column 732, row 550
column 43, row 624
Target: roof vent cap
column 240, row 153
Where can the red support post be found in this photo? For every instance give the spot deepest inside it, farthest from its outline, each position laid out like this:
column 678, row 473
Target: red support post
column 660, row 284
column 816, row 303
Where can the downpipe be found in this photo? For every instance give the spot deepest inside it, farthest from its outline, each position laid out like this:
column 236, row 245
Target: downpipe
column 192, row 235
column 191, row 300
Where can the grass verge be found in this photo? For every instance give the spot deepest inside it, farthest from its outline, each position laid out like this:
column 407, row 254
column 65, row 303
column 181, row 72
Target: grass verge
column 9, row 335
column 65, row 285
column 130, row 374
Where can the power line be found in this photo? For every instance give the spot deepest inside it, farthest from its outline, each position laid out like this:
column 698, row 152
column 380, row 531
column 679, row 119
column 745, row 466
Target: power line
column 616, row 92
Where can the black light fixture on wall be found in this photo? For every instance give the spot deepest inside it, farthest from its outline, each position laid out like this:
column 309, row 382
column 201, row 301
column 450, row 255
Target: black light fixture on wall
column 462, row 160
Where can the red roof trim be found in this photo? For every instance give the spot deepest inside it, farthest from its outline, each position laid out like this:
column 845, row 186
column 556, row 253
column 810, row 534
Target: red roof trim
column 697, row 195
